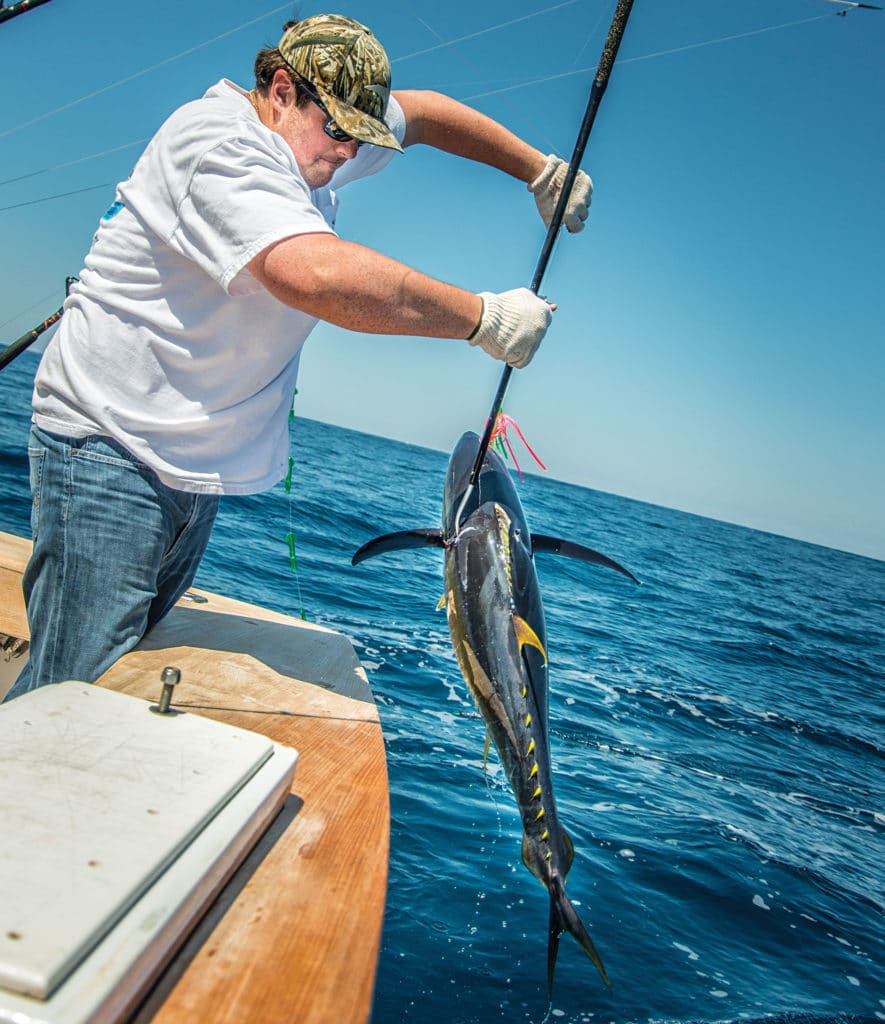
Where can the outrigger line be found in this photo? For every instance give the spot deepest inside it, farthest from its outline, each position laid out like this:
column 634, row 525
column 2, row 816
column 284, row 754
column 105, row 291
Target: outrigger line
column 20, row 8
column 28, row 338
column 849, row 3
column 603, row 71
column 290, row 536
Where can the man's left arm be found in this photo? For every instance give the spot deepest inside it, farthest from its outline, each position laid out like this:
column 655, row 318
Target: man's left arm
column 434, row 119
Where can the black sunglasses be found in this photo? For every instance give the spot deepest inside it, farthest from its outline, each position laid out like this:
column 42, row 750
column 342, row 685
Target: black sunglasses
column 331, row 127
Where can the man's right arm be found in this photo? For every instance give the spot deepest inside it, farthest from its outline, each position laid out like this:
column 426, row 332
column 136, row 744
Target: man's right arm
column 358, row 288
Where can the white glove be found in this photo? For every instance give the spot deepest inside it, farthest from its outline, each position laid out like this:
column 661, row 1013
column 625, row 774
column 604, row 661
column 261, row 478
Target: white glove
column 512, row 325
column 547, row 187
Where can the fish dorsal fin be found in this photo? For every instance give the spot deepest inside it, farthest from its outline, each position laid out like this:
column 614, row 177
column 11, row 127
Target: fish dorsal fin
column 526, row 636
column 568, row 549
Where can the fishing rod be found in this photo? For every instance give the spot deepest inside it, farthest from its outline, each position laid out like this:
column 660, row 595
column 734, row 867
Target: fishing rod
column 29, row 337
column 20, row 8
column 603, row 71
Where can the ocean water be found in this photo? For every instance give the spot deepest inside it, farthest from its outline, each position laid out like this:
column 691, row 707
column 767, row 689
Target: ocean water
column 717, row 736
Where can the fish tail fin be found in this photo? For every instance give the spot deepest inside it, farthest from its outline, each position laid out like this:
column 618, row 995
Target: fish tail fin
column 564, row 918
column 556, row 930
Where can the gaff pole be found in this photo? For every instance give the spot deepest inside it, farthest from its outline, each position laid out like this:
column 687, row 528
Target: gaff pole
column 603, row 71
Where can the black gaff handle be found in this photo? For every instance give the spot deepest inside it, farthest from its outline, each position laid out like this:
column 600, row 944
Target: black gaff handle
column 603, row 72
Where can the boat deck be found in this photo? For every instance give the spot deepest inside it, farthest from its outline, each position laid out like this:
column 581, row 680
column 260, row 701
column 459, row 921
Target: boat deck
column 295, row 933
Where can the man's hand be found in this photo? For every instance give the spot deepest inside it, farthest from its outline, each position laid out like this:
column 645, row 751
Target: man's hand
column 547, row 187
column 512, row 325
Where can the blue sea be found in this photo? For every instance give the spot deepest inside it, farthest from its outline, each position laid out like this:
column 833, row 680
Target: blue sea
column 717, row 738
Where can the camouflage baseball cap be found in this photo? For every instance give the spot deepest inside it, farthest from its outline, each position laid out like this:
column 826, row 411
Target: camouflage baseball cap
column 349, row 70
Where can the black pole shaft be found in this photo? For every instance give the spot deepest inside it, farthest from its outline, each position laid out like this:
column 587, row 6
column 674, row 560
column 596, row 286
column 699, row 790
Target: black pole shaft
column 20, row 8
column 26, row 340
column 603, row 71
column 29, row 337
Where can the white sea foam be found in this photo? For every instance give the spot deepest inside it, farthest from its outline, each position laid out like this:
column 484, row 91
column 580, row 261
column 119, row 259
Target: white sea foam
column 446, row 717
column 453, row 693
column 715, row 698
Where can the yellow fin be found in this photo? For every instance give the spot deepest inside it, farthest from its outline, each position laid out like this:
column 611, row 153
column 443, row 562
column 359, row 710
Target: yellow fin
column 441, row 603
column 485, row 753
column 527, row 636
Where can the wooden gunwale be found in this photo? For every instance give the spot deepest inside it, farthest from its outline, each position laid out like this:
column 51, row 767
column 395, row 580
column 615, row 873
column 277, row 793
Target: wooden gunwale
column 295, row 934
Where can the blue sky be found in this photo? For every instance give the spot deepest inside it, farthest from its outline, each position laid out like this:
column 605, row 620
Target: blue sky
column 718, row 346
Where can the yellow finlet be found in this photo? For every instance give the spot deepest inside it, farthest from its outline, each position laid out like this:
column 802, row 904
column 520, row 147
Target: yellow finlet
column 485, row 753
column 525, row 635
column 441, row 603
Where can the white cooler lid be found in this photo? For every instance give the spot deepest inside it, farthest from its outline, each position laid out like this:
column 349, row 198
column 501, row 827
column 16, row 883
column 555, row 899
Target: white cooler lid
column 98, row 797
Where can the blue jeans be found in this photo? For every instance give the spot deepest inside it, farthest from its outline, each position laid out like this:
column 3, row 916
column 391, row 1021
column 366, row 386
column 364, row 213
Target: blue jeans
column 114, row 549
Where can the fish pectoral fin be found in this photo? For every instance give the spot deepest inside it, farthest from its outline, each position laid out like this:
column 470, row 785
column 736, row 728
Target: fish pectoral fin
column 568, row 549
column 402, row 541
column 526, row 636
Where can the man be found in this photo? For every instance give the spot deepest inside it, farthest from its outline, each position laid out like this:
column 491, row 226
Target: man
column 171, row 376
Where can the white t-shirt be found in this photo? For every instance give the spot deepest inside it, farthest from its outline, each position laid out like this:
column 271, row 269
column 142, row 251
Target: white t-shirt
column 168, row 344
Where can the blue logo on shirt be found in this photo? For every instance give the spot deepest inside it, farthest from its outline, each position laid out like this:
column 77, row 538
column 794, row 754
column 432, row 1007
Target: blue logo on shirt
column 113, row 210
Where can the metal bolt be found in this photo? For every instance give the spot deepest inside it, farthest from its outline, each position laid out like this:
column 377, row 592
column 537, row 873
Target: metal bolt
column 169, row 679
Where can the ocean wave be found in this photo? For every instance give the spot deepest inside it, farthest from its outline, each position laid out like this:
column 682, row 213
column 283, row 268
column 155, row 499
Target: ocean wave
column 716, row 737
